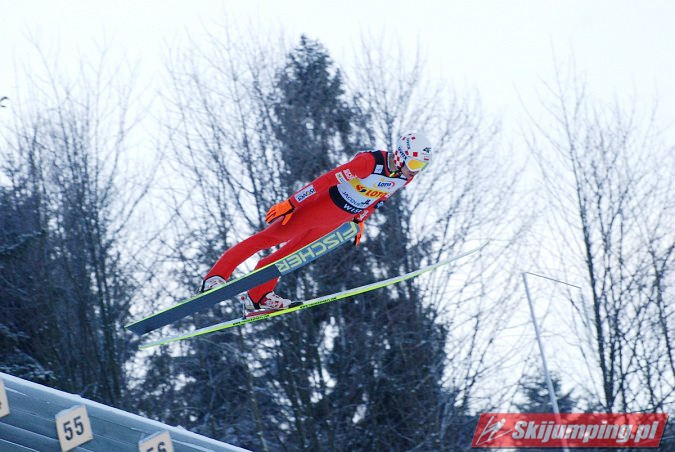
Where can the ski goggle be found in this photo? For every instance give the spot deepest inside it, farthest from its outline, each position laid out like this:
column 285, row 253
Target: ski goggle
column 415, row 165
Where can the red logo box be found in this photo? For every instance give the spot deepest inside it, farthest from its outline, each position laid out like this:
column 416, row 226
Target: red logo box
column 570, row 430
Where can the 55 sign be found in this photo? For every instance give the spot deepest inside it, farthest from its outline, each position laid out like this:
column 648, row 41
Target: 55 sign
column 73, row 427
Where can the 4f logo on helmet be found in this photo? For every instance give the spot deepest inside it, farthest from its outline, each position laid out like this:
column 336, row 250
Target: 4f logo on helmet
column 414, row 151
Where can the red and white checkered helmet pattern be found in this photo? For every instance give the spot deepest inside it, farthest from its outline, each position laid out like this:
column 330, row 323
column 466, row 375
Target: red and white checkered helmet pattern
column 414, row 151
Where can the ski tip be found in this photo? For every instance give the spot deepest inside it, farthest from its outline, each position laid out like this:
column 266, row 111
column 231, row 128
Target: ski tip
column 135, row 328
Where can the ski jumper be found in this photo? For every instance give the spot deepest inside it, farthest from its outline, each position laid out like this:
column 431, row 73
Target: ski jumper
column 351, row 191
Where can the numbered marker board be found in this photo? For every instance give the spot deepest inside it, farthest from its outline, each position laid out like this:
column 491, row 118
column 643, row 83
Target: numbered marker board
column 73, row 427
column 4, row 404
column 159, row 442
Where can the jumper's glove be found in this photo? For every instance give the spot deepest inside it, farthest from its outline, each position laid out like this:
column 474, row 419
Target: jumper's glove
column 357, row 239
column 282, row 209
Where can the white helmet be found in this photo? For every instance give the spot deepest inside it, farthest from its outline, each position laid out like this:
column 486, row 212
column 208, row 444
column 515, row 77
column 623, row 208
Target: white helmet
column 414, row 151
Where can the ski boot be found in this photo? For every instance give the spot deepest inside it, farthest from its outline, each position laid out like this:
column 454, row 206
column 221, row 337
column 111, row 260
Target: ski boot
column 269, row 303
column 211, row 283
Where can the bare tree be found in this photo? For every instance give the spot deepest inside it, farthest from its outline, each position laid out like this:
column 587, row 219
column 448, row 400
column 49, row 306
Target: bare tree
column 218, row 144
column 66, row 154
column 468, row 194
column 606, row 172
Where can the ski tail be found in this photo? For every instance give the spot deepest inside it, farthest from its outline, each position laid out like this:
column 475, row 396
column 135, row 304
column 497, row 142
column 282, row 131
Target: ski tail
column 310, row 303
column 292, row 262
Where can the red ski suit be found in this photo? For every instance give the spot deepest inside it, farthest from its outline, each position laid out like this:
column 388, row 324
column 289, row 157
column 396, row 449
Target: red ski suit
column 349, row 192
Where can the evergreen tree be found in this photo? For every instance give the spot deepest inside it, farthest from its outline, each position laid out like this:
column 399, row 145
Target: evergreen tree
column 537, row 397
column 311, row 120
column 377, row 401
column 313, row 124
column 19, row 242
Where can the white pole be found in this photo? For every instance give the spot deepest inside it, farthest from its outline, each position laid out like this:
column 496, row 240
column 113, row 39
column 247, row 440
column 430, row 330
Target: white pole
column 549, row 382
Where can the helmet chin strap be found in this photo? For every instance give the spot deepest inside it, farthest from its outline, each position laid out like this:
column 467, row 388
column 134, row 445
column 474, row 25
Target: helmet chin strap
column 390, row 163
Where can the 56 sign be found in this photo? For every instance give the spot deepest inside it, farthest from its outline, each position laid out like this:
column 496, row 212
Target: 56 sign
column 159, row 442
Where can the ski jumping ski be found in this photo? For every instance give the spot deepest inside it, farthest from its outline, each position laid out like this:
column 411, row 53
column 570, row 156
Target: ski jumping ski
column 310, row 303
column 345, row 233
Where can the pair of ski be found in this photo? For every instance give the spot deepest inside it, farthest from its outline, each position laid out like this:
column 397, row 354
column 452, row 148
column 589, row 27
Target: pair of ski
column 345, row 233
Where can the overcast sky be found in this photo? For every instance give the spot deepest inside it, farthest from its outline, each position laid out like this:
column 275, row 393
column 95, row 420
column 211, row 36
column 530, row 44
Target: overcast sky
column 503, row 48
